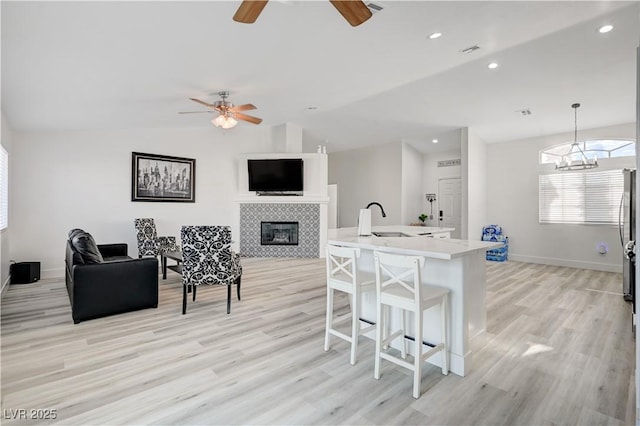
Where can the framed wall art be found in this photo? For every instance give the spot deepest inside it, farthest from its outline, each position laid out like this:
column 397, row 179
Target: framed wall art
column 162, row 178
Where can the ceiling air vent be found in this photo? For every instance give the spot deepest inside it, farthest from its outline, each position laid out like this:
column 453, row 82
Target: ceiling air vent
column 470, row 49
column 524, row 111
column 374, row 7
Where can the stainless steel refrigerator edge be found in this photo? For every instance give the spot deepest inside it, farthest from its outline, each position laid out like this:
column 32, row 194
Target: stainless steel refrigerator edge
column 627, row 226
column 637, row 374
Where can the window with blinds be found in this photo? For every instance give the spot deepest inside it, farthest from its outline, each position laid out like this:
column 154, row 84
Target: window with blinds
column 4, row 188
column 583, row 198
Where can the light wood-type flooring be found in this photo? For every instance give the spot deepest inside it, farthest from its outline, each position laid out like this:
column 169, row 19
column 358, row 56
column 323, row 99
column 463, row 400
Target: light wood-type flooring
column 558, row 350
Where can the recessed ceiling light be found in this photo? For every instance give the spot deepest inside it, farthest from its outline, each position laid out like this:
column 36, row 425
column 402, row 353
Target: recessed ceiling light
column 605, row 29
column 435, row 141
column 492, row 65
column 435, row 35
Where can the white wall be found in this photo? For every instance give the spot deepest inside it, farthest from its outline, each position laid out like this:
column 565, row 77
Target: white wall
column 513, row 203
column 432, row 175
column 6, row 138
column 366, row 175
column 411, row 184
column 475, row 198
column 67, row 179
column 286, row 137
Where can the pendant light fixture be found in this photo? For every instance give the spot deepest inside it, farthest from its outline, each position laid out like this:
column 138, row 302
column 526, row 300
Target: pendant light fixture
column 576, row 159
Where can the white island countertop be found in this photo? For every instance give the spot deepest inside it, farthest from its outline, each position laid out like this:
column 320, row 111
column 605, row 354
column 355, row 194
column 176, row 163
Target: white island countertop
column 458, row 265
column 419, row 243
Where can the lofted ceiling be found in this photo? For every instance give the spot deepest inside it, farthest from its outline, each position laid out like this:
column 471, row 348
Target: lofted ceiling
column 119, row 65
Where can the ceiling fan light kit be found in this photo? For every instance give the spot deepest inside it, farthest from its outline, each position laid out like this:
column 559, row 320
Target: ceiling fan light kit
column 224, row 121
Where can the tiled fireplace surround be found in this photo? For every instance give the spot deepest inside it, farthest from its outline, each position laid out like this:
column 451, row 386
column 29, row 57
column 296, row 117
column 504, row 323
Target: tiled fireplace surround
column 307, row 214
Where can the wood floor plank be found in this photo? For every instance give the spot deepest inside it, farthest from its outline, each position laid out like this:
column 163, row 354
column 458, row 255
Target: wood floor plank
column 558, row 349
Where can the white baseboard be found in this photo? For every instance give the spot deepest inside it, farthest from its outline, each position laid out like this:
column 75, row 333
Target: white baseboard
column 606, row 267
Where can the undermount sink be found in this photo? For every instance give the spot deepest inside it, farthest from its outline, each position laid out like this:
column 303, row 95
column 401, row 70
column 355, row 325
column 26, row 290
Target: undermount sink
column 391, row 234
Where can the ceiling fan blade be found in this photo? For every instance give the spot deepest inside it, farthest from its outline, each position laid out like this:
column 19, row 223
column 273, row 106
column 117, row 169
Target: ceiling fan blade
column 245, row 117
column 354, row 11
column 195, row 112
column 249, row 11
column 245, row 107
column 202, row 102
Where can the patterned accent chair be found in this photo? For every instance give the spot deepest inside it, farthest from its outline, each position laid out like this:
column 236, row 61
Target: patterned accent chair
column 149, row 244
column 207, row 259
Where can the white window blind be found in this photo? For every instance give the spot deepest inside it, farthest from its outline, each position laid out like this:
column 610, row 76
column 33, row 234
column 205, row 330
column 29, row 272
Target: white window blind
column 585, row 198
column 4, row 188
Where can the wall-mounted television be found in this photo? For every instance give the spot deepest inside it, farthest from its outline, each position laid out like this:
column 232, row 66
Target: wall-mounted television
column 283, row 175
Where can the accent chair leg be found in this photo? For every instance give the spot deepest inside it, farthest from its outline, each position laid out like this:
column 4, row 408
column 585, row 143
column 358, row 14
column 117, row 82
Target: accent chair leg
column 184, row 299
column 238, row 288
column 194, row 292
column 228, row 298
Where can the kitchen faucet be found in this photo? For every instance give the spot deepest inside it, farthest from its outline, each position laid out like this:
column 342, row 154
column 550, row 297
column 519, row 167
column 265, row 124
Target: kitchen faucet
column 379, row 205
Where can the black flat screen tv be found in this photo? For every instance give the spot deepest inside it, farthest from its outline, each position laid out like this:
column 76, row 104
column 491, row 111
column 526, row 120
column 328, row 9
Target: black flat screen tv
column 276, row 175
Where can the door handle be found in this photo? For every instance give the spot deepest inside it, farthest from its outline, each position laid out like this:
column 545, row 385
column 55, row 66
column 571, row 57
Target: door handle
column 440, row 215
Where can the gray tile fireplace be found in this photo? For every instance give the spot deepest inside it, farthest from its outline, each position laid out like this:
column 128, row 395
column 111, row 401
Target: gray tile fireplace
column 279, row 229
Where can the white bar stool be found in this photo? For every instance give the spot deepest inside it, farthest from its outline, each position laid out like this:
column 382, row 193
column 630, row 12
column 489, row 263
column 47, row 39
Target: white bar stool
column 343, row 275
column 399, row 285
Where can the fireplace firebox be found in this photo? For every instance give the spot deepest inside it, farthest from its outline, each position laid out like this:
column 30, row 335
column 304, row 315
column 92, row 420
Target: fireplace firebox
column 279, row 233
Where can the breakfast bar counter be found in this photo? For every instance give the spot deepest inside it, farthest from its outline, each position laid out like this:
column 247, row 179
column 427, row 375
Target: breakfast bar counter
column 458, row 265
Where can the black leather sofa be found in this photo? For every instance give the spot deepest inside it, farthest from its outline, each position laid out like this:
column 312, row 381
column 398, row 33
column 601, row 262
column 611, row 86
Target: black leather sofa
column 103, row 280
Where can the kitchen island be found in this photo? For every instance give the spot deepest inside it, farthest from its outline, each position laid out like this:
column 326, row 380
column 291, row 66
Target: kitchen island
column 458, row 265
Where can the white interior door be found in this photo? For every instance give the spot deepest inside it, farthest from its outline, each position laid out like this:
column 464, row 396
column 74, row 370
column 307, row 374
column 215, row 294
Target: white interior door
column 450, row 204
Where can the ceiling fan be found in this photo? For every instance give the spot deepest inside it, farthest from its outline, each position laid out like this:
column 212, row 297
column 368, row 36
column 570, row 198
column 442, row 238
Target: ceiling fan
column 228, row 114
column 354, row 11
